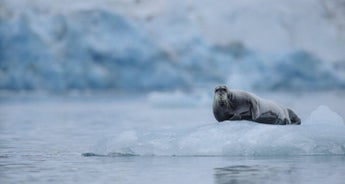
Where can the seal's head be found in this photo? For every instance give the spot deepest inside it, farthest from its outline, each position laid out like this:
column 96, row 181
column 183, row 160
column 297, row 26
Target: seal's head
column 221, row 96
column 221, row 103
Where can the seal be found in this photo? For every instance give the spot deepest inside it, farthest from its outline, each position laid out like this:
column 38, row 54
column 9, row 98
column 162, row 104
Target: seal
column 240, row 105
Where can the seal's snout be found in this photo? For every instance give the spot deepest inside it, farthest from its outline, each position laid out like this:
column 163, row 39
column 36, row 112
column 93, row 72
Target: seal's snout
column 220, row 100
column 221, row 96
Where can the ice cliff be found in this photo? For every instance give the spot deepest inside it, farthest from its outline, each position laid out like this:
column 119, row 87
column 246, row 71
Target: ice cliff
column 137, row 45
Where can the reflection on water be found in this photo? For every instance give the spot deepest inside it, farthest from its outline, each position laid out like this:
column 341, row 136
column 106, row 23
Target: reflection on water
column 255, row 174
column 298, row 169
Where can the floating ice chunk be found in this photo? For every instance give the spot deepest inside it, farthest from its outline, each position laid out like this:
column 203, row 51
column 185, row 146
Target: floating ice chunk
column 177, row 99
column 323, row 133
column 324, row 115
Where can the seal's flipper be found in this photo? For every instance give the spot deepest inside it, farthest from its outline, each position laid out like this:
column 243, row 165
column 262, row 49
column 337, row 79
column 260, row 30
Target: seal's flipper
column 268, row 118
column 293, row 117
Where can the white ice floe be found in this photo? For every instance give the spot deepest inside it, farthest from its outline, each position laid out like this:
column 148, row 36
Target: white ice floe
column 322, row 133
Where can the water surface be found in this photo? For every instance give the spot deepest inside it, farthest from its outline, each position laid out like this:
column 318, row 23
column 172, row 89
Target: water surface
column 119, row 140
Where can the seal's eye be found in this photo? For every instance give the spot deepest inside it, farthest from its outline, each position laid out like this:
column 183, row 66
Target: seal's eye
column 218, row 88
column 222, row 89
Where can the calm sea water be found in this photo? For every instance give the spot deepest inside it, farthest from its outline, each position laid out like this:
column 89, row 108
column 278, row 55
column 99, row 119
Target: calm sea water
column 42, row 140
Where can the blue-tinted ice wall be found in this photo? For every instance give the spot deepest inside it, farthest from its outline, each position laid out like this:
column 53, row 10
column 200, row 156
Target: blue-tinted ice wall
column 103, row 49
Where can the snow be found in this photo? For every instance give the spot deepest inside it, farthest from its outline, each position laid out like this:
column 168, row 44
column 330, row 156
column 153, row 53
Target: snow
column 164, row 45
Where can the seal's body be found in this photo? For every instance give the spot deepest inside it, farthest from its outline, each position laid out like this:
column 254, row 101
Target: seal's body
column 241, row 105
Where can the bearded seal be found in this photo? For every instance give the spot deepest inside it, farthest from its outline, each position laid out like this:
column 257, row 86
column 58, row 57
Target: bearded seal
column 241, row 105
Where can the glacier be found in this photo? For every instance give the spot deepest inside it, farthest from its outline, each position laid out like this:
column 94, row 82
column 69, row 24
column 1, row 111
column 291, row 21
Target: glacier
column 159, row 46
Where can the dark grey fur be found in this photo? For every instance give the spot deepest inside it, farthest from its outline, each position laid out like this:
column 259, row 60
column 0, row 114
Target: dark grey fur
column 240, row 105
